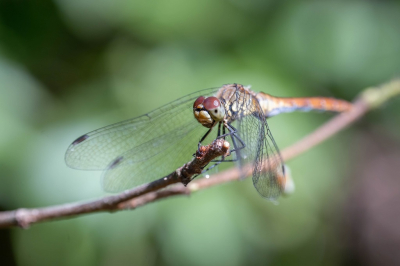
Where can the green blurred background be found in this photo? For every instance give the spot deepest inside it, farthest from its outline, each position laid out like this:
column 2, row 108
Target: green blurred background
column 70, row 66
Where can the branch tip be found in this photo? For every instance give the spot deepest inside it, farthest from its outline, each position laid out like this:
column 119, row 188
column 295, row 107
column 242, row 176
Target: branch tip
column 375, row 97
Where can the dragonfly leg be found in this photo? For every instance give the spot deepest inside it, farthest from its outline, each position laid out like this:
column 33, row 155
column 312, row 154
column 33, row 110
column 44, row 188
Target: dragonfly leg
column 204, row 137
column 233, row 134
column 237, row 146
column 219, row 129
column 234, row 137
column 217, row 162
column 212, row 166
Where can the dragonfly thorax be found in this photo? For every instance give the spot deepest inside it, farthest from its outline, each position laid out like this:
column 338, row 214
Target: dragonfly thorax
column 208, row 111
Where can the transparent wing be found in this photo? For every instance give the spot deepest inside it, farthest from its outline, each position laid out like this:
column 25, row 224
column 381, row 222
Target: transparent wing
column 260, row 147
column 143, row 148
column 268, row 170
column 153, row 159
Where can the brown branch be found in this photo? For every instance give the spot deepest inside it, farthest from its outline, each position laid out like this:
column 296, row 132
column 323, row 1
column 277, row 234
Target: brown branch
column 204, row 155
column 371, row 98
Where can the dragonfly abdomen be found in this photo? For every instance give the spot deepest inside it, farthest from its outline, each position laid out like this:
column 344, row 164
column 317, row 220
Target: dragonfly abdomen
column 276, row 105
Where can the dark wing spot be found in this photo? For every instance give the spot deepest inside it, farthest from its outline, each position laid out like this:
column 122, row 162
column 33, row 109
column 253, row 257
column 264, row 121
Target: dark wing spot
column 116, row 162
column 80, row 139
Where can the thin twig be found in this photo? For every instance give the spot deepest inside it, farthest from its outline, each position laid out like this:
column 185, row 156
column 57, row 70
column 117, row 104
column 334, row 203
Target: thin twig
column 371, row 98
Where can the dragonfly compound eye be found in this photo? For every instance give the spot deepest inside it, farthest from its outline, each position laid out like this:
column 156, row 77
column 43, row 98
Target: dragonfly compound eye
column 211, row 103
column 214, row 108
column 199, row 101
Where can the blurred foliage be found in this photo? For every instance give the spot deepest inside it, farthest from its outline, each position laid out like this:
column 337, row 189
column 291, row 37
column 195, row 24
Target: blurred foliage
column 71, row 66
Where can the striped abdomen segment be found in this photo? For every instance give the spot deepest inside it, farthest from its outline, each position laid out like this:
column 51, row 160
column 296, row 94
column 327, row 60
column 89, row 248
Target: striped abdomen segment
column 275, row 105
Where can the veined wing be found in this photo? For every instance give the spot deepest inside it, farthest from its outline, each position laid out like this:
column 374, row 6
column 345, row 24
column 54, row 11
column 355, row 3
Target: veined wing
column 261, row 149
column 98, row 149
column 153, row 159
column 268, row 171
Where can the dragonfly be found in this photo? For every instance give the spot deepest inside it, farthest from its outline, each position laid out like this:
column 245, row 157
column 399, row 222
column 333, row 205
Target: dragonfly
column 145, row 148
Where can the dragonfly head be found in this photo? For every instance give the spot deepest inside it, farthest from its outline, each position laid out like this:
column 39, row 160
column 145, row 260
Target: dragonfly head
column 208, row 111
